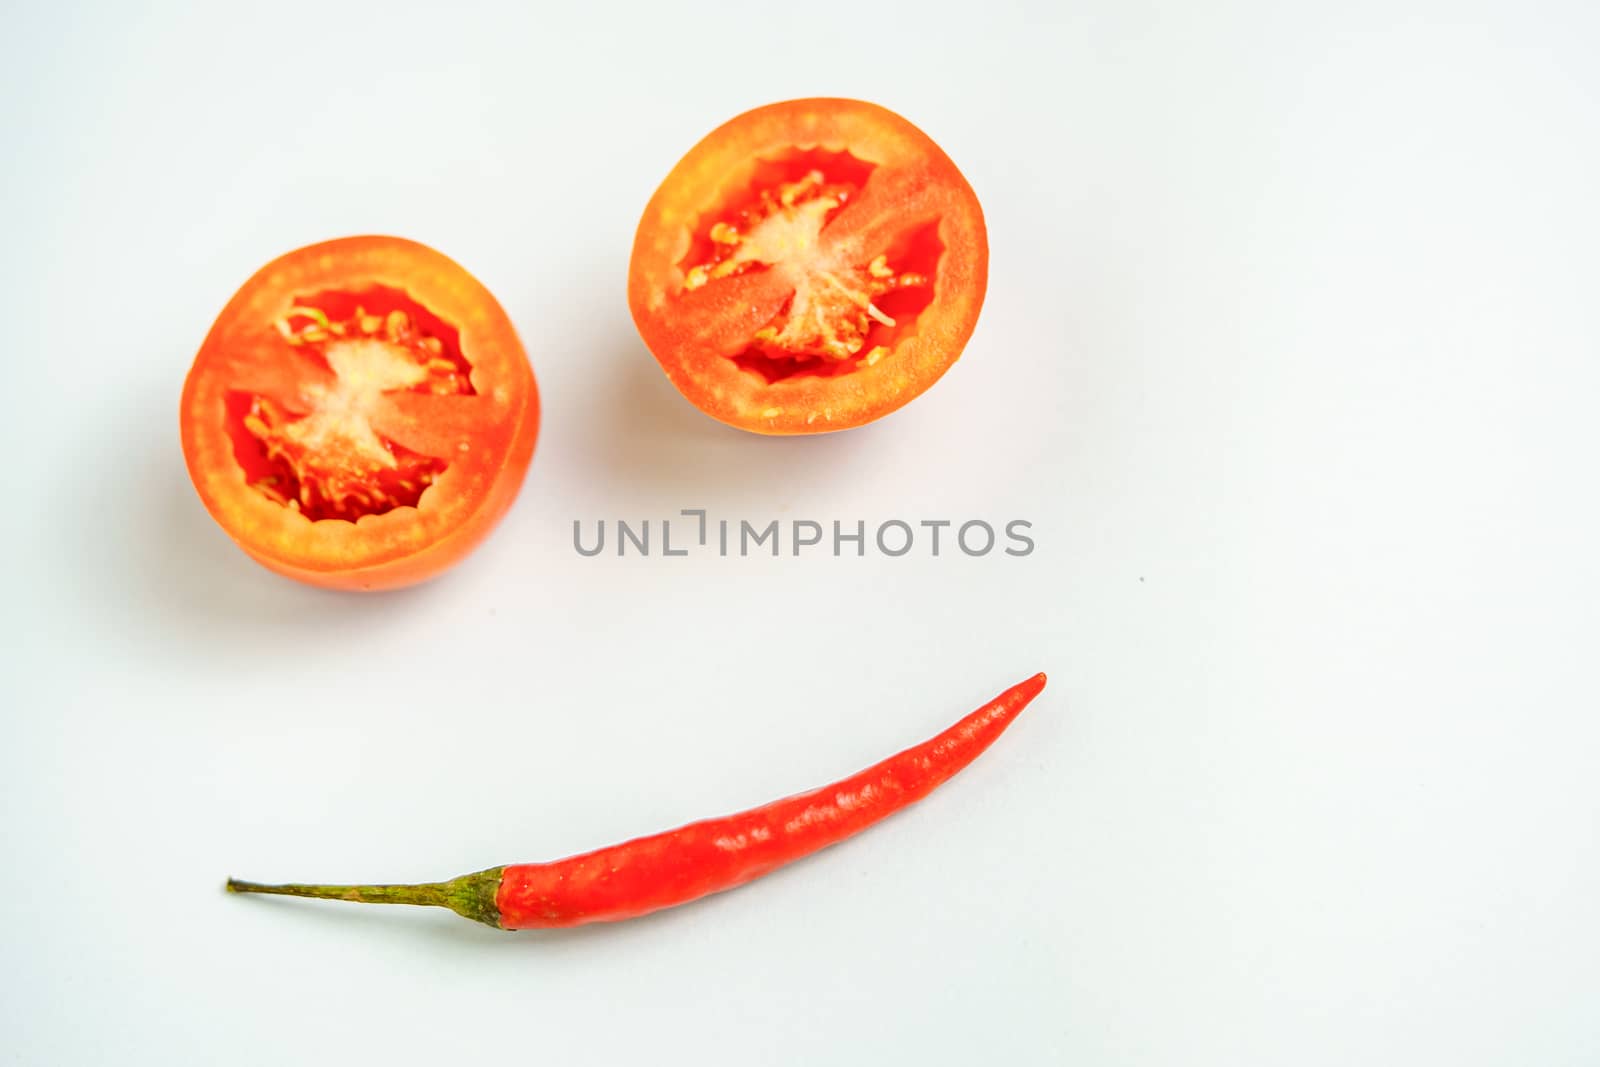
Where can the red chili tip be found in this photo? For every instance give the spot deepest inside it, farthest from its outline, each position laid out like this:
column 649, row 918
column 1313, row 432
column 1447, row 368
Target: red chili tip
column 1033, row 685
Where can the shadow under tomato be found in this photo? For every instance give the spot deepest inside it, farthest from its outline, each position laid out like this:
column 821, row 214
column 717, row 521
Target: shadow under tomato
column 641, row 433
column 163, row 575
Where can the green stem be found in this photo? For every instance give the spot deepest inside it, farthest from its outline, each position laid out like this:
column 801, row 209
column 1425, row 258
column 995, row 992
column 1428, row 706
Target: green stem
column 471, row 896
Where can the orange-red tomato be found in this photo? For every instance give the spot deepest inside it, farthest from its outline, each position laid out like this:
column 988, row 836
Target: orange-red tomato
column 809, row 266
column 360, row 415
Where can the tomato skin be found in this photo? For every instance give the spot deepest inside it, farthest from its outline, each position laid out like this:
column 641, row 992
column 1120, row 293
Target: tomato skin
column 486, row 439
column 694, row 334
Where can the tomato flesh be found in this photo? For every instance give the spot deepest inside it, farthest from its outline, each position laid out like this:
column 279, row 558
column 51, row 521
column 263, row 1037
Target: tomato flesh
column 330, row 462
column 834, row 319
column 830, row 266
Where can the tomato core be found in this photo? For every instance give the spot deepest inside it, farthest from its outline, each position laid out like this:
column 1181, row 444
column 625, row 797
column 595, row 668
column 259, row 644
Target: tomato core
column 319, row 453
column 843, row 315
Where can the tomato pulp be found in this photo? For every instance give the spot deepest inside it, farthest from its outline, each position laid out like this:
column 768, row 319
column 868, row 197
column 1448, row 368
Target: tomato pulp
column 809, row 266
column 360, row 415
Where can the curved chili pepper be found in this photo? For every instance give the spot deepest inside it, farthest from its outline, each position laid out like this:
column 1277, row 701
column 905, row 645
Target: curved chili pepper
column 675, row 867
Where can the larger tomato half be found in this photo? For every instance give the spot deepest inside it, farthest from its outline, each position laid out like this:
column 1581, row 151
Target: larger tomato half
column 809, row 266
column 360, row 415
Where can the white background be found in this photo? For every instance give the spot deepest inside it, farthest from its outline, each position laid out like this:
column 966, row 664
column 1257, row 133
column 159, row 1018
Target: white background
column 1291, row 355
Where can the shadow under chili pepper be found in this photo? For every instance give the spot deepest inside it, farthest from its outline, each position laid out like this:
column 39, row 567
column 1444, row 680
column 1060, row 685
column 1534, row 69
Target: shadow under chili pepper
column 441, row 926
column 812, row 872
column 585, row 937
column 416, row 923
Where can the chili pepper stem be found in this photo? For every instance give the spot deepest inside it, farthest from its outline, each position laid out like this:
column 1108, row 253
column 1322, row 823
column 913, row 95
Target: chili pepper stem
column 471, row 896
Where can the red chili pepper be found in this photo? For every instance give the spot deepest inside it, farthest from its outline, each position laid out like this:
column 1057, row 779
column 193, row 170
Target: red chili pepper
column 675, row 867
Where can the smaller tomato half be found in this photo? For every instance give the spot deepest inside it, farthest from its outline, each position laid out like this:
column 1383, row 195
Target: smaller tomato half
column 360, row 415
column 809, row 266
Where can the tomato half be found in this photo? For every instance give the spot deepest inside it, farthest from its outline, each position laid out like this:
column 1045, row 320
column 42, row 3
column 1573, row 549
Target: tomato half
column 809, row 266
column 360, row 415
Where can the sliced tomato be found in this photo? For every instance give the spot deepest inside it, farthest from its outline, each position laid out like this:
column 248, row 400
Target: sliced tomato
column 360, row 415
column 809, row 266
